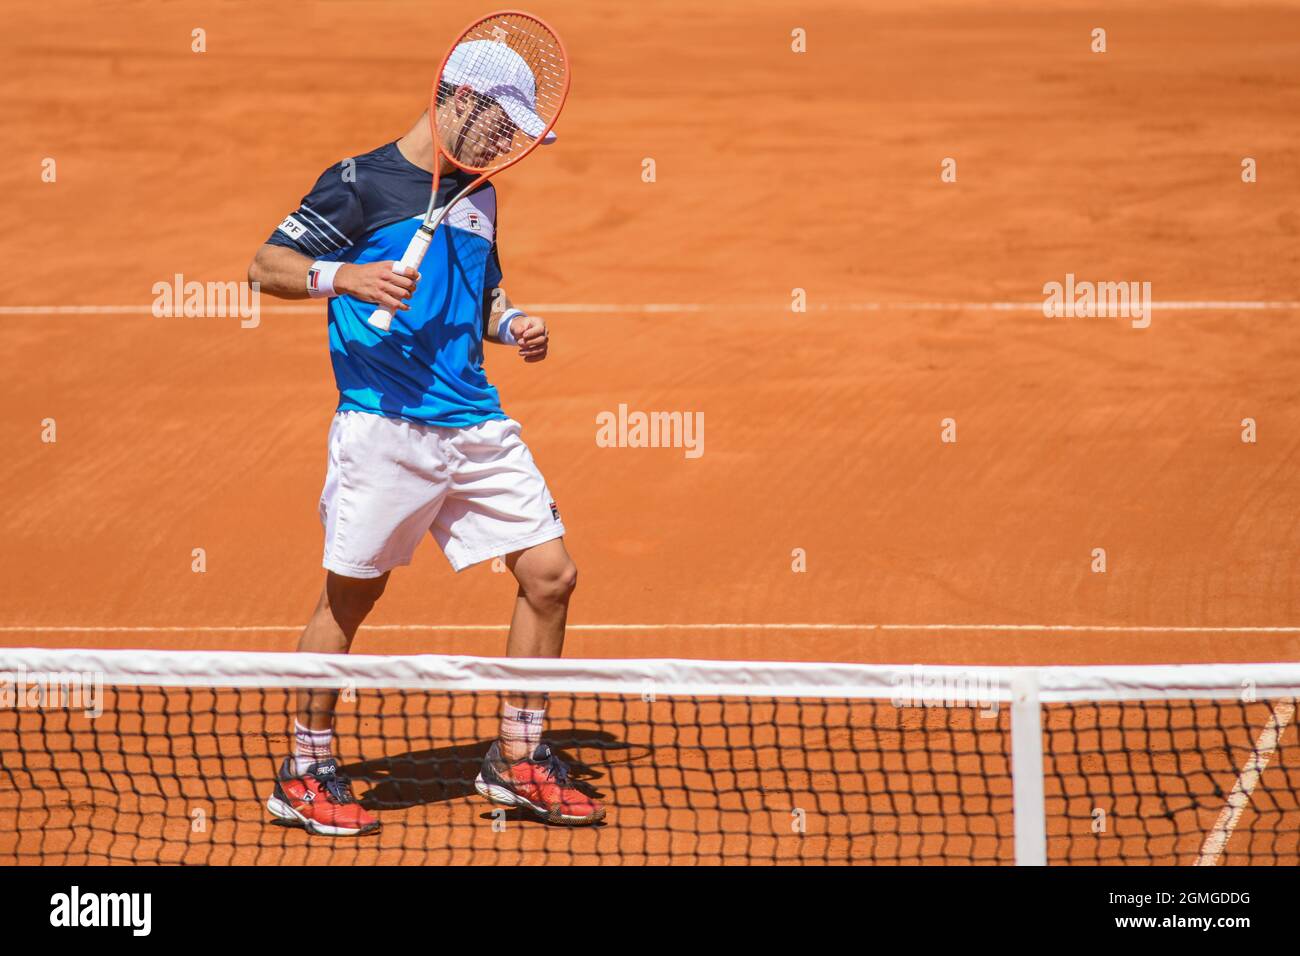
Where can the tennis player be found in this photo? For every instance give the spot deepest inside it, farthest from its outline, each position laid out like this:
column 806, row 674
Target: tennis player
column 419, row 442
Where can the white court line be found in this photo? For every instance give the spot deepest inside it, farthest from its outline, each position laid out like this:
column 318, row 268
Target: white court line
column 1073, row 628
column 577, row 308
column 1268, row 740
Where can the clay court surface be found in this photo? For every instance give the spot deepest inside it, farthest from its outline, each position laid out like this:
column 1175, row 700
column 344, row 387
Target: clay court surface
column 775, row 171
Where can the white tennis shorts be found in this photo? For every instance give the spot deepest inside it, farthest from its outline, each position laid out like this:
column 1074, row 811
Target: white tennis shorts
column 476, row 490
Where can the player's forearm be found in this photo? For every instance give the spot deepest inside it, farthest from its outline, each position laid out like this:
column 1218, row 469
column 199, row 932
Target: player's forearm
column 498, row 306
column 280, row 271
column 283, row 272
column 526, row 332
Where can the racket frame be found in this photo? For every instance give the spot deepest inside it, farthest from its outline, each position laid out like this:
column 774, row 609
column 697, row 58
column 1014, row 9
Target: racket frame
column 382, row 318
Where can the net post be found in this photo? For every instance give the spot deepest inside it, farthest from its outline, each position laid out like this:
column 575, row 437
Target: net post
column 1027, row 769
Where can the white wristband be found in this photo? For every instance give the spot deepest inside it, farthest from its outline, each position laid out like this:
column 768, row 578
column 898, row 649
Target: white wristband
column 320, row 279
column 504, row 335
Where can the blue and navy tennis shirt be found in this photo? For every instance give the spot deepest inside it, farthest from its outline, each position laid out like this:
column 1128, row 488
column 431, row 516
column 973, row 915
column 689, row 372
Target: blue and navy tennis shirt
column 428, row 367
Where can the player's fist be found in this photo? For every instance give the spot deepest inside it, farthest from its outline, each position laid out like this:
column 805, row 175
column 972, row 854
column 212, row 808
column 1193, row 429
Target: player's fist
column 376, row 282
column 531, row 337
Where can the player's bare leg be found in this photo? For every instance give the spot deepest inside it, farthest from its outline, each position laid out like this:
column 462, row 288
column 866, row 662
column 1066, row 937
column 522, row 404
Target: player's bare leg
column 309, row 791
column 547, row 577
column 344, row 604
column 519, row 769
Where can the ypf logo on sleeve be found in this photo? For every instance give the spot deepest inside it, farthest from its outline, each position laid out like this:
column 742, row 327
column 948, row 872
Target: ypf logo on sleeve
column 292, row 228
column 76, row 909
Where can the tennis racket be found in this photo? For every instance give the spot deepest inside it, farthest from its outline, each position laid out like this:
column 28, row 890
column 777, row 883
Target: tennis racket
column 497, row 94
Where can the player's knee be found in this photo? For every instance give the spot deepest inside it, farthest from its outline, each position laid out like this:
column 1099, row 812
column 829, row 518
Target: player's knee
column 568, row 578
column 553, row 585
column 349, row 600
column 351, row 611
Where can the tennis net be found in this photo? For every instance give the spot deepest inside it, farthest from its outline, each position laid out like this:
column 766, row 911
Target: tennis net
column 113, row 757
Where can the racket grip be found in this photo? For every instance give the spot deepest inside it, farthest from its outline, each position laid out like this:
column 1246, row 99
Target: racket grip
column 411, row 259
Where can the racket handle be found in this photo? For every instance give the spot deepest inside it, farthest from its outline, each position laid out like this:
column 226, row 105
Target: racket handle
column 411, row 259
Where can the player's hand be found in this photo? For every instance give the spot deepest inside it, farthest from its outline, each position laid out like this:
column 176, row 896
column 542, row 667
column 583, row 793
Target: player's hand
column 531, row 337
column 376, row 282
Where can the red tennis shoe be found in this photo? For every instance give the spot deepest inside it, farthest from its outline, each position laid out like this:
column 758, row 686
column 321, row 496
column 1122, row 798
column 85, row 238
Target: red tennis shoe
column 320, row 801
column 540, row 784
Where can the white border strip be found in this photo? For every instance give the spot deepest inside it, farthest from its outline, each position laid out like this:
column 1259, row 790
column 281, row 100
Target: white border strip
column 714, row 626
column 722, row 308
column 1168, row 682
column 662, row 676
column 665, row 677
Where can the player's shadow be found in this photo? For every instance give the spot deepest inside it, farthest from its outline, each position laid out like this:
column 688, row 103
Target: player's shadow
column 401, row 781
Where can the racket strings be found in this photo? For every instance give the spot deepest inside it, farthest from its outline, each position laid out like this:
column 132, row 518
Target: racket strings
column 511, row 77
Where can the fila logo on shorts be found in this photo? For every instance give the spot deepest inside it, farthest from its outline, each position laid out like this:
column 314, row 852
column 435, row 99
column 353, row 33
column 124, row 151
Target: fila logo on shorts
column 555, row 512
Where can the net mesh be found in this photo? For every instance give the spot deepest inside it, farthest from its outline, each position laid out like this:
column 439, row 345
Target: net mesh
column 504, row 83
column 162, row 768
column 1155, row 781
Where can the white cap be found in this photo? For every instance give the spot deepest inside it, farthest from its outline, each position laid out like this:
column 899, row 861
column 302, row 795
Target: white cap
column 493, row 69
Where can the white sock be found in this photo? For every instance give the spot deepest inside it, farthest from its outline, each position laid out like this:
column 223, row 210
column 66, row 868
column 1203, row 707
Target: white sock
column 521, row 731
column 311, row 746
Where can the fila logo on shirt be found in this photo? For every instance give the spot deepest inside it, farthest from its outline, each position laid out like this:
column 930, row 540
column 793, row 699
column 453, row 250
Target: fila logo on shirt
column 476, row 214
